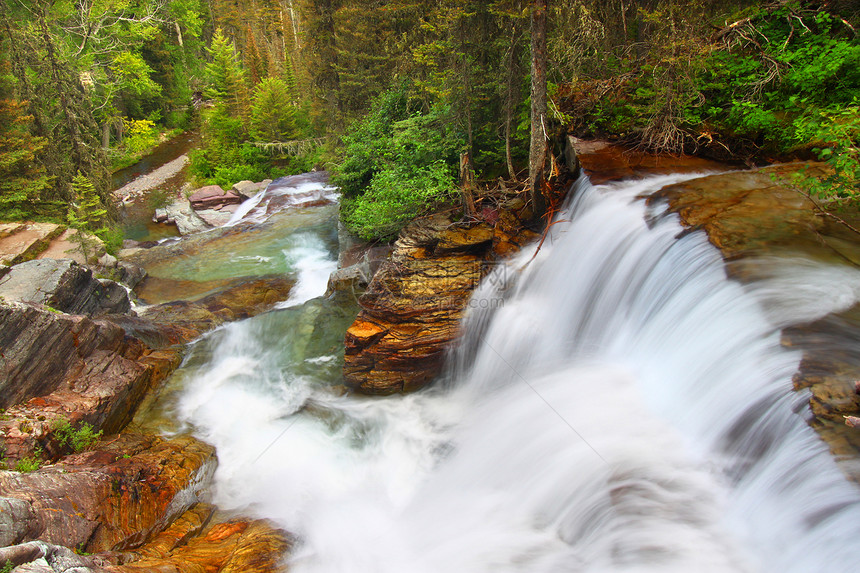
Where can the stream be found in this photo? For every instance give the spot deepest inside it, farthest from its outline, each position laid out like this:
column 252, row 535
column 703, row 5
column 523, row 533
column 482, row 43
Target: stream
column 616, row 404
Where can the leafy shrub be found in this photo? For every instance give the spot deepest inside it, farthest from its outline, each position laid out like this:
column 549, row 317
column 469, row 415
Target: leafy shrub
column 398, row 164
column 141, row 135
column 78, row 439
column 396, row 196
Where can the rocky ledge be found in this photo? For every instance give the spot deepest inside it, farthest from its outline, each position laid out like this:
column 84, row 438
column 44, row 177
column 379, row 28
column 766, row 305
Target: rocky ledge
column 412, row 308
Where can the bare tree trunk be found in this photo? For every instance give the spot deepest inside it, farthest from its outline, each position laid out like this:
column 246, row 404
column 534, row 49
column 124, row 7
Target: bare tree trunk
column 537, row 147
column 509, row 100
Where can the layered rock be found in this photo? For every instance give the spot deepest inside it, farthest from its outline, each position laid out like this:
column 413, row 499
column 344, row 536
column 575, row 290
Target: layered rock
column 214, row 197
column 604, row 161
column 115, row 497
column 63, row 285
column 413, row 305
column 235, row 546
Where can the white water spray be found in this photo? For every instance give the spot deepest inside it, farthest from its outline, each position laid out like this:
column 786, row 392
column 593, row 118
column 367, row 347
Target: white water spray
column 625, row 408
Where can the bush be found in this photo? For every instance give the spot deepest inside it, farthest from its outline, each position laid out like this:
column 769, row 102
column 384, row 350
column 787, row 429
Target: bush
column 399, row 163
column 395, row 197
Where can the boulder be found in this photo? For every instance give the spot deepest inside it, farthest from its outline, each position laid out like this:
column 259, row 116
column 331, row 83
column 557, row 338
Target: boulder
column 215, row 218
column 247, row 189
column 115, row 497
column 63, row 285
column 213, row 197
column 181, row 214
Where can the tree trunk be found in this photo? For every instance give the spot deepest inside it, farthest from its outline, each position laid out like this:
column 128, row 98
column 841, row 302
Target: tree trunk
column 537, row 148
column 510, row 92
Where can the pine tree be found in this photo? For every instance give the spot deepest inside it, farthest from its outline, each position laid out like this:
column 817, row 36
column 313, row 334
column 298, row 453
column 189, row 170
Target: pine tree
column 226, row 79
column 86, row 214
column 272, row 113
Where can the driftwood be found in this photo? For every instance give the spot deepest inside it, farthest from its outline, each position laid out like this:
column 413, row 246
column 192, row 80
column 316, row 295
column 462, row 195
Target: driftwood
column 293, row 147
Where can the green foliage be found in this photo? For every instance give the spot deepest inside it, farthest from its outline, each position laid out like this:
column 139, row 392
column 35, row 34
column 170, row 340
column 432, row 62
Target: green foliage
column 7, row 568
column 88, row 215
column 22, row 179
column 141, row 135
column 273, row 111
column 30, row 463
column 396, row 196
column 397, row 165
column 837, row 134
column 78, row 439
column 225, row 76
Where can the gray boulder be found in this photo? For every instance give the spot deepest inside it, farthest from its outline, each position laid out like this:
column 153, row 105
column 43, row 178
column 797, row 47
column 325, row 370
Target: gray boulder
column 63, row 285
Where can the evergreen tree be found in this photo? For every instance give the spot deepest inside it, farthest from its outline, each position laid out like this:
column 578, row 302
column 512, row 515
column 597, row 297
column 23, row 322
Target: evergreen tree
column 226, row 79
column 273, row 111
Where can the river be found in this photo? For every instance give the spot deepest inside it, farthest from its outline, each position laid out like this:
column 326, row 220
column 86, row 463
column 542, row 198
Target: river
column 617, row 404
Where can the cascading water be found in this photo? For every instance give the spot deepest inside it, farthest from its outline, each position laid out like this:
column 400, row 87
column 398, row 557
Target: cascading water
column 616, row 404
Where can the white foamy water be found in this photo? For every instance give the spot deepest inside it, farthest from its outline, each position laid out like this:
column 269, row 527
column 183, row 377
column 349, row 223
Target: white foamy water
column 291, row 191
column 616, row 405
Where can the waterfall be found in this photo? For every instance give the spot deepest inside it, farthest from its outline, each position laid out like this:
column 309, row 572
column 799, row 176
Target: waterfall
column 616, row 404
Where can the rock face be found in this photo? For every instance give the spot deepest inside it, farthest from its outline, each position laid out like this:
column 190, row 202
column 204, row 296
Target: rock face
column 604, row 161
column 21, row 242
column 233, row 546
column 113, row 498
column 94, row 374
column 412, row 308
column 63, row 285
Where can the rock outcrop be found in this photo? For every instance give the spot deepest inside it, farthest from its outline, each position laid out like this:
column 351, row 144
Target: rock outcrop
column 749, row 214
column 113, row 498
column 413, row 305
column 63, row 285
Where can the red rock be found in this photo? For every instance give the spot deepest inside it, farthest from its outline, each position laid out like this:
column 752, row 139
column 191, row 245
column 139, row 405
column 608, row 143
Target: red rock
column 212, row 197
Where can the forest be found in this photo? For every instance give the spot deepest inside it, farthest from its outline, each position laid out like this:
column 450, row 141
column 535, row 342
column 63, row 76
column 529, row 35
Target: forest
column 393, row 96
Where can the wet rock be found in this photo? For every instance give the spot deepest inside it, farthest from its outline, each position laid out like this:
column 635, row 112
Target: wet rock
column 234, row 546
column 605, row 161
column 247, row 189
column 181, row 214
column 63, row 285
column 748, row 214
column 129, row 273
column 413, row 305
column 115, row 497
column 213, row 197
column 217, row 218
column 41, row 557
column 248, row 297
